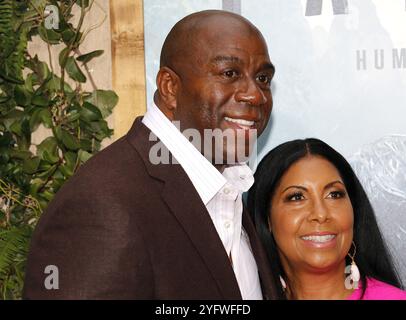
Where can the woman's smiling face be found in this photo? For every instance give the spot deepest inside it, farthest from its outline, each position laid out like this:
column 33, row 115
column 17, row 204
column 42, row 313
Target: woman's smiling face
column 312, row 216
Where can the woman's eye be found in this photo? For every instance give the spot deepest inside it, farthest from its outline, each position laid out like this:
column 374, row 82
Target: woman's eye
column 336, row 194
column 297, row 196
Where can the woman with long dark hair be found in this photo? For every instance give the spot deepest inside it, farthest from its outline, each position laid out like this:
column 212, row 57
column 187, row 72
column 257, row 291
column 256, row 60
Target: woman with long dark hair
column 318, row 226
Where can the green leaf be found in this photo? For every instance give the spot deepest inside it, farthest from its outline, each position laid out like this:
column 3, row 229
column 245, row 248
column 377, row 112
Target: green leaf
column 68, row 168
column 35, row 185
column 4, row 99
column 46, row 174
column 74, row 71
column 43, row 71
column 68, row 35
column 14, row 243
column 70, row 158
column 48, row 35
column 35, row 119
column 65, row 171
column 50, row 145
column 40, row 101
column 12, row 117
column 58, row 182
column 105, row 100
column 28, row 83
column 22, row 96
column 48, row 195
column 69, row 140
column 90, row 113
column 20, row 154
column 10, row 78
column 54, row 84
column 84, row 156
column 46, row 118
column 16, row 128
column 86, row 144
column 30, row 166
column 51, row 157
column 62, row 56
column 73, row 116
column 85, row 58
column 26, row 132
column 44, row 166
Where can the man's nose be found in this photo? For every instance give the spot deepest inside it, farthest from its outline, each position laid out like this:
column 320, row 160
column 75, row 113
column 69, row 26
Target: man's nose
column 319, row 212
column 249, row 92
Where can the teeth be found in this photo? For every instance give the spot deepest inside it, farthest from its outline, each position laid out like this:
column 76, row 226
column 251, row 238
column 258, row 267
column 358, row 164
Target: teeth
column 321, row 239
column 242, row 122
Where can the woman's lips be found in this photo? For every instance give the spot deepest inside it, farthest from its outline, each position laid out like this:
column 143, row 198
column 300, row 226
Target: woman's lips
column 325, row 240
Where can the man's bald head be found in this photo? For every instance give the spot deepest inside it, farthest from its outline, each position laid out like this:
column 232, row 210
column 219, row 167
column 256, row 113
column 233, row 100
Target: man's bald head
column 186, row 35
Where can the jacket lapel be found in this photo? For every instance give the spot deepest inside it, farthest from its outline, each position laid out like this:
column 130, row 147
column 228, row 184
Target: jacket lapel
column 187, row 207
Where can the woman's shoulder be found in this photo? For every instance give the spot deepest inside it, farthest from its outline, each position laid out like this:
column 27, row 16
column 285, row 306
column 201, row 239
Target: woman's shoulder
column 378, row 290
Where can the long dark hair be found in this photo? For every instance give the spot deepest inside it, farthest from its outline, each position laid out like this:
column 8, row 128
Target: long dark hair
column 372, row 257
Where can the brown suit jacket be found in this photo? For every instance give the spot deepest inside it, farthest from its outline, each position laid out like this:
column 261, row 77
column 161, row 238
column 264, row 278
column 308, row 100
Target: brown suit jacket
column 123, row 228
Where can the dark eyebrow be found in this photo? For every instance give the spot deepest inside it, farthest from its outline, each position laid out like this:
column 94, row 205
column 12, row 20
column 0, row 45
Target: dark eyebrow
column 297, row 187
column 328, row 185
column 268, row 66
column 219, row 59
column 333, row 183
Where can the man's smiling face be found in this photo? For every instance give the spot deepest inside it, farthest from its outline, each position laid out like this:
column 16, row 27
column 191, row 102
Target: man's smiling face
column 225, row 81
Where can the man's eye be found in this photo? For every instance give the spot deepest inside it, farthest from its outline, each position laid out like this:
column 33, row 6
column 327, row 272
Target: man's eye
column 230, row 73
column 263, row 78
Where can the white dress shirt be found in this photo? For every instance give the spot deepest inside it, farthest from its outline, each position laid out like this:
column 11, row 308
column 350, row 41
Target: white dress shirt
column 220, row 193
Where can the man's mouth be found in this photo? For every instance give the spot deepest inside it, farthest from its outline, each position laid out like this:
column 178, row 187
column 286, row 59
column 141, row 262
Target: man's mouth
column 242, row 123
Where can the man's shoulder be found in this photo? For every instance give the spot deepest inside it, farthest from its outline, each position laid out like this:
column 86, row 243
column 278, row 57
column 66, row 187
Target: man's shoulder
column 115, row 159
column 118, row 167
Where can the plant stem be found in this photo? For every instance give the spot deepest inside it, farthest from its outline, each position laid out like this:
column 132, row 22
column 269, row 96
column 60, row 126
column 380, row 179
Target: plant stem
column 70, row 47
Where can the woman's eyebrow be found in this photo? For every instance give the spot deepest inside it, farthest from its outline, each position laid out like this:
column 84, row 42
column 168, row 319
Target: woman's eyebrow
column 328, row 185
column 296, row 187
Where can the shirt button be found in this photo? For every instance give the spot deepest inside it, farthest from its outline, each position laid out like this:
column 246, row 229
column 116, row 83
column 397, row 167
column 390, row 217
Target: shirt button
column 226, row 191
column 227, row 224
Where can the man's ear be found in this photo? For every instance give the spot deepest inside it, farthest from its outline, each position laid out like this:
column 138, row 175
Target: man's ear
column 167, row 82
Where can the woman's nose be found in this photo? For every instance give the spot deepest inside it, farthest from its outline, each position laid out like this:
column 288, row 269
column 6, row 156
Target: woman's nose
column 319, row 212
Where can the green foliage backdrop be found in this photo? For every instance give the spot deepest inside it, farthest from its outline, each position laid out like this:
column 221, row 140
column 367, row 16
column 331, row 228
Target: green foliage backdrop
column 32, row 95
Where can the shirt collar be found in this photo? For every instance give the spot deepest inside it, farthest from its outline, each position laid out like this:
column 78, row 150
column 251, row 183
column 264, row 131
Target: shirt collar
column 239, row 176
column 207, row 180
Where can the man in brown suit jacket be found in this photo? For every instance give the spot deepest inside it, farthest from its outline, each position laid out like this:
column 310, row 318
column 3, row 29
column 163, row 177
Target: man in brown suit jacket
column 125, row 228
